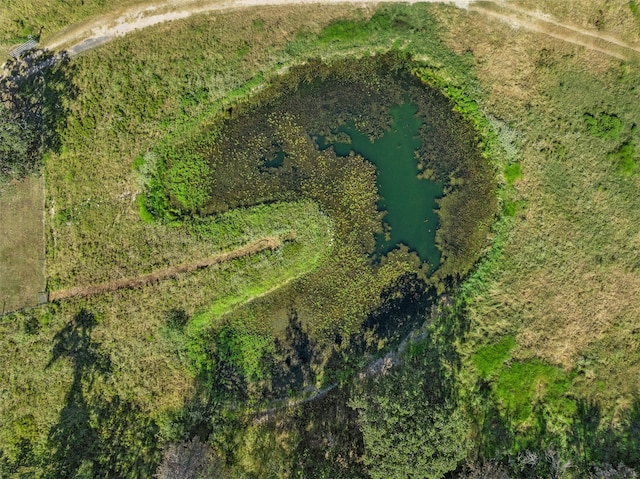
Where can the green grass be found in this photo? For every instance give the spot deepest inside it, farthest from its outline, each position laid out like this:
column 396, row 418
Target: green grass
column 560, row 261
column 129, row 108
column 98, row 193
column 145, row 214
column 603, row 125
column 187, row 176
column 102, row 233
column 625, row 159
column 520, row 386
column 512, row 173
column 245, row 349
column 489, row 358
column 574, row 215
column 21, row 243
column 350, row 32
column 313, row 233
column 635, row 8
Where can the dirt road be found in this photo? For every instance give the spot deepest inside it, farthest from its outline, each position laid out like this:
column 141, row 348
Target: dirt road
column 539, row 22
column 269, row 243
column 99, row 30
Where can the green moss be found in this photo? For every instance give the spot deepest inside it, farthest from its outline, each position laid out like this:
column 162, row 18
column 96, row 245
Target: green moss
column 512, row 173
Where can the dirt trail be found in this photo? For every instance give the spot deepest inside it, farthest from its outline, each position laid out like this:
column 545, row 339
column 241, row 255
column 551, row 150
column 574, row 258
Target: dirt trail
column 540, row 22
column 99, row 30
column 269, row 243
column 266, row 415
column 549, row 20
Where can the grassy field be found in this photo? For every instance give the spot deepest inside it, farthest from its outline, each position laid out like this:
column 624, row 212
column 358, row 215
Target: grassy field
column 549, row 358
column 95, row 235
column 574, row 246
column 124, row 128
column 21, row 243
column 564, row 283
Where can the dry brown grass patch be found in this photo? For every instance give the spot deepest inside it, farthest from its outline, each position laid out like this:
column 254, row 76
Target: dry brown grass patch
column 566, row 285
column 566, row 315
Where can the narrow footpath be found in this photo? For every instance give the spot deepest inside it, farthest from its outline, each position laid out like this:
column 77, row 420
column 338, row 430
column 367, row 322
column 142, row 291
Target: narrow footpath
column 268, row 243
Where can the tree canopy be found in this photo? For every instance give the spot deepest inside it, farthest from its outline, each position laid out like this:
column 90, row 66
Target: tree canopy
column 410, row 429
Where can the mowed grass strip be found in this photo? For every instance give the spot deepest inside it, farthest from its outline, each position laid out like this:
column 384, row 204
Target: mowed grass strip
column 21, row 244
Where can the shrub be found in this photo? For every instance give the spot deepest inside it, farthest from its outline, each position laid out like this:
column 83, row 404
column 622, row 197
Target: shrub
column 605, row 126
column 624, row 159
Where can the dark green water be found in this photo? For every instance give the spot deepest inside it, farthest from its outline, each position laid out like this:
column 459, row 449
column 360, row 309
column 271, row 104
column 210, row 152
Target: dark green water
column 276, row 161
column 409, row 202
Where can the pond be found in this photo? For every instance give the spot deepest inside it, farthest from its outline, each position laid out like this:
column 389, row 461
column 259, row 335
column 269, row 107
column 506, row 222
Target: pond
column 408, row 201
column 423, row 181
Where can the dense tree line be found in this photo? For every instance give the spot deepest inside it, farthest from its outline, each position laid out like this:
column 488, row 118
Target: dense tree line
column 31, row 109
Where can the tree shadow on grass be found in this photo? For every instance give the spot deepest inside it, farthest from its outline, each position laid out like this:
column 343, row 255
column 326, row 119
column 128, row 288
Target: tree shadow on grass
column 100, row 436
column 405, row 306
column 291, row 366
column 587, row 421
column 595, row 445
column 73, row 438
column 619, row 442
